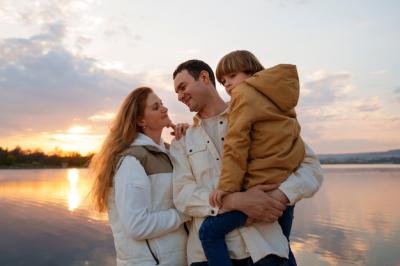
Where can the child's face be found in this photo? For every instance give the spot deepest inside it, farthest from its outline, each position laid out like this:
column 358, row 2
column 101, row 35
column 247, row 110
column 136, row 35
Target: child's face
column 230, row 81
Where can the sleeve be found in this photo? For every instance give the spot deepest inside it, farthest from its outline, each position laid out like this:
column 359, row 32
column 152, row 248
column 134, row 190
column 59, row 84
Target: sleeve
column 189, row 197
column 133, row 203
column 307, row 179
column 236, row 144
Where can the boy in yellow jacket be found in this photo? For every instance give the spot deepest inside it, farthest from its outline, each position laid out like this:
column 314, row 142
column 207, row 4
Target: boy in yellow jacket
column 262, row 145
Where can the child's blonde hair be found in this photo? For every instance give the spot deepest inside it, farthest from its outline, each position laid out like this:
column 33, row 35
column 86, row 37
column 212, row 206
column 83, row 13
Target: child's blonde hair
column 238, row 61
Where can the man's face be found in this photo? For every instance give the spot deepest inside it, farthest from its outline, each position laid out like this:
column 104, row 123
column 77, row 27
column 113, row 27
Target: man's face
column 191, row 92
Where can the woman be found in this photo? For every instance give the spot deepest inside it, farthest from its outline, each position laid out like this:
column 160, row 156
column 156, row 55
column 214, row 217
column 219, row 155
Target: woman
column 133, row 181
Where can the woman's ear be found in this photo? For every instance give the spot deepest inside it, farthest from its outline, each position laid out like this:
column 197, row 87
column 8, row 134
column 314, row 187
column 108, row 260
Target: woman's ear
column 140, row 123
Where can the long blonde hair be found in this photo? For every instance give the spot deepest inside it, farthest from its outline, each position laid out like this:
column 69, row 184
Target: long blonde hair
column 123, row 131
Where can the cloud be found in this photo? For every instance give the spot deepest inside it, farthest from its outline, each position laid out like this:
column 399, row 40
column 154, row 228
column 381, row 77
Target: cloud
column 75, row 16
column 117, row 30
column 105, row 116
column 46, row 89
column 323, row 88
column 46, row 11
column 334, row 118
column 369, row 105
column 43, row 84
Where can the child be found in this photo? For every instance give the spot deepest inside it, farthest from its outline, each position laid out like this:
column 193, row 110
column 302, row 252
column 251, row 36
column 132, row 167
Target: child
column 262, row 145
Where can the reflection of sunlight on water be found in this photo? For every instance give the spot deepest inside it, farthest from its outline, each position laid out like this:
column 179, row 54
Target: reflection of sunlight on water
column 352, row 220
column 73, row 195
column 66, row 188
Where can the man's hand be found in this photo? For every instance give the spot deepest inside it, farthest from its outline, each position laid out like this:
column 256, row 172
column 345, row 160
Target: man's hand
column 279, row 195
column 256, row 203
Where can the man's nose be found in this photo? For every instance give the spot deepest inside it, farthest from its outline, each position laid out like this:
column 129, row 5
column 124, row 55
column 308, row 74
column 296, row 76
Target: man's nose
column 180, row 96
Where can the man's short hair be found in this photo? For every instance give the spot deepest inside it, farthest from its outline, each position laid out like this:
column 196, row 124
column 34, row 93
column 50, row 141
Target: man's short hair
column 194, row 67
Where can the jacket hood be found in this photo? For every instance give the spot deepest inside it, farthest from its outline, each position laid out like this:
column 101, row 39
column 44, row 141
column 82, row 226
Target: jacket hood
column 144, row 140
column 279, row 83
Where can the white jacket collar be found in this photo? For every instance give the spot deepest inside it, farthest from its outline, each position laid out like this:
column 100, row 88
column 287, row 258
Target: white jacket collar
column 144, row 140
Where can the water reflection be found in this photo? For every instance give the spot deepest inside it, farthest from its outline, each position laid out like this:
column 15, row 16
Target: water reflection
column 47, row 219
column 56, row 187
column 73, row 195
column 352, row 220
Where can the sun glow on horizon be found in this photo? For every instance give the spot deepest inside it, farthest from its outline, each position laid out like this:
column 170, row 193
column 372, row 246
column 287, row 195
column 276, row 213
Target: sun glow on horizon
column 77, row 138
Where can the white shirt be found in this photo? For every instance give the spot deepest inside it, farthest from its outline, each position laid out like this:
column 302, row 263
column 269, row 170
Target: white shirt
column 197, row 166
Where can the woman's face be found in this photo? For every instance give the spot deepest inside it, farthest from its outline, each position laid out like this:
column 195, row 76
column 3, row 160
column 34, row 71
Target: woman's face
column 155, row 114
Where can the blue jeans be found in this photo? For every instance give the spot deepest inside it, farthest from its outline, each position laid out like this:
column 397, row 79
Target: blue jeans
column 214, row 228
column 270, row 260
column 285, row 222
column 212, row 236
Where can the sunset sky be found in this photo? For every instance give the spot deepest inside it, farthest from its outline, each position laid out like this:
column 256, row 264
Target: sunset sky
column 65, row 66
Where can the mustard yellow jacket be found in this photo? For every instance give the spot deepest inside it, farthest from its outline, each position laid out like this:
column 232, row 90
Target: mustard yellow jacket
column 263, row 143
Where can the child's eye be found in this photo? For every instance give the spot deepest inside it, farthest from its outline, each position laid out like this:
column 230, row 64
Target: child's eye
column 232, row 75
column 223, row 82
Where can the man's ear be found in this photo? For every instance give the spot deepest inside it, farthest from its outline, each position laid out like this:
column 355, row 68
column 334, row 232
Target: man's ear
column 204, row 76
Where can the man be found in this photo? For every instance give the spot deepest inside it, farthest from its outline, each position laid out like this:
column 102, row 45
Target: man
column 197, row 165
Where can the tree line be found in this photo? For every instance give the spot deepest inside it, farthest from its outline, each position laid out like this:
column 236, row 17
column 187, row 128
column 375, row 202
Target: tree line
column 20, row 158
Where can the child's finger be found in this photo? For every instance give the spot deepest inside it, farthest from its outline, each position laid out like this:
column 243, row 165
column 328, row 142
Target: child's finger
column 219, row 201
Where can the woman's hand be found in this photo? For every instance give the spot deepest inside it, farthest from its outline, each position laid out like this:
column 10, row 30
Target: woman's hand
column 179, row 130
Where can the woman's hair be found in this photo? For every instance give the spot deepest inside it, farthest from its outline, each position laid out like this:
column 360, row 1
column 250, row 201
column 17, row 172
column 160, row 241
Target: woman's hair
column 238, row 61
column 123, row 131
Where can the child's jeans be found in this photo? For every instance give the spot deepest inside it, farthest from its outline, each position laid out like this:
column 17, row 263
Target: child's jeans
column 285, row 222
column 214, row 228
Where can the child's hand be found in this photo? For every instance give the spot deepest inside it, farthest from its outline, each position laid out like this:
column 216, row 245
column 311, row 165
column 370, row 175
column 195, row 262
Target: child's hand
column 216, row 196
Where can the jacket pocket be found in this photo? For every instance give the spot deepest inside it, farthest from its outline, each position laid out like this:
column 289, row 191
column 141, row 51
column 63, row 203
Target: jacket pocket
column 202, row 164
column 195, row 148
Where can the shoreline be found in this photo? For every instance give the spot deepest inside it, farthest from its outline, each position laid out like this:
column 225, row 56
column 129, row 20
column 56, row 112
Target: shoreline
column 32, row 167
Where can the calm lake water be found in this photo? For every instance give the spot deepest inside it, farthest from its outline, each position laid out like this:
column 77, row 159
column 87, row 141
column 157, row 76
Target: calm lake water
column 46, row 219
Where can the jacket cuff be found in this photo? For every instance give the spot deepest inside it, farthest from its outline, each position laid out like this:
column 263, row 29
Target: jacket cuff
column 290, row 192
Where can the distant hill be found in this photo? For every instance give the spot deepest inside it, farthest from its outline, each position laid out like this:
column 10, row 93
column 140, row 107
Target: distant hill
column 391, row 156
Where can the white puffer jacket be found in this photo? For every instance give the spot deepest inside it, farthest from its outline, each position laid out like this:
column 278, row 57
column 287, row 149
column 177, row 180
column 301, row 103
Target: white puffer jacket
column 147, row 228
